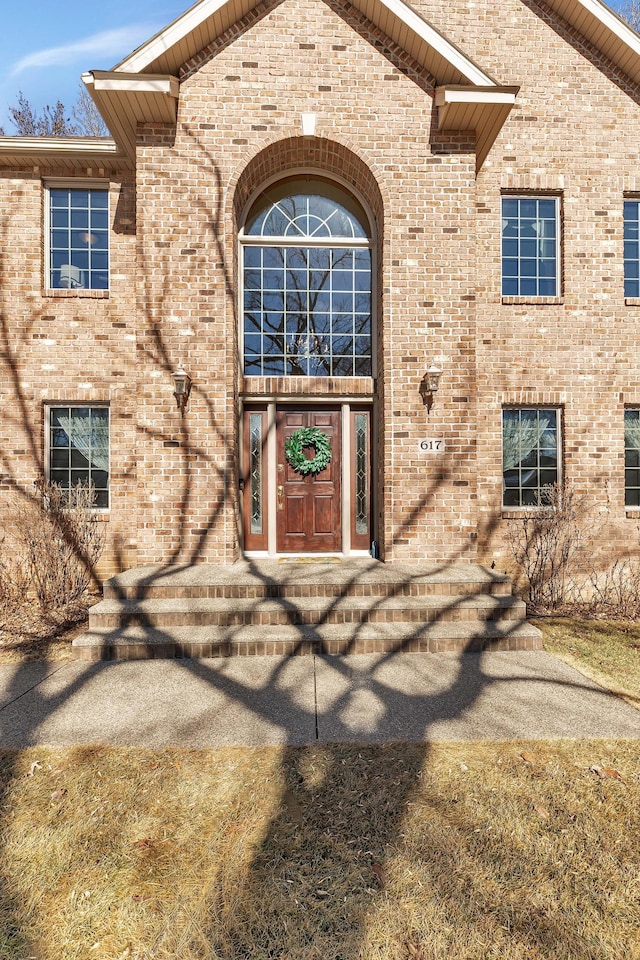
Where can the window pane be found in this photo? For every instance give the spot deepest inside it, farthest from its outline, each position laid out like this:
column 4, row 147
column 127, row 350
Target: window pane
column 529, row 250
column 78, row 228
column 79, row 219
column 527, row 208
column 547, row 209
column 79, row 459
column 61, row 477
column 313, row 304
column 59, row 458
column 529, row 454
column 59, row 198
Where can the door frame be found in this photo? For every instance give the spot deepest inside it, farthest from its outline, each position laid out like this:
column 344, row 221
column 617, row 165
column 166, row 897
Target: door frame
column 269, row 406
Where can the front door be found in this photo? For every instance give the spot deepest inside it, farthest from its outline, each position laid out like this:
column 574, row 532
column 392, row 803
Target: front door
column 286, row 510
column 308, row 507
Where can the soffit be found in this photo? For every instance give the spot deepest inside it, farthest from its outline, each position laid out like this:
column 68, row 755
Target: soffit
column 75, row 154
column 125, row 100
column 481, row 109
column 605, row 30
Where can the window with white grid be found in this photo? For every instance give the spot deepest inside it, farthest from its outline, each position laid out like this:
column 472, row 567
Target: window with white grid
column 307, row 266
column 530, row 246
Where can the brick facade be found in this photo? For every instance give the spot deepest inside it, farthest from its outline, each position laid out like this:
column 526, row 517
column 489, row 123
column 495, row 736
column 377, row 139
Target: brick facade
column 173, row 296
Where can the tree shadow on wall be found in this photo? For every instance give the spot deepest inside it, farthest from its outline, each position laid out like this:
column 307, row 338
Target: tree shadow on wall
column 337, row 800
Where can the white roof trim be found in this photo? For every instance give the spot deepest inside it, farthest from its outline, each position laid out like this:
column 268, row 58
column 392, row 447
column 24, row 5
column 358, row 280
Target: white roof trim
column 176, row 31
column 435, row 40
column 191, row 20
column 138, row 84
column 62, row 145
column 446, row 95
column 612, row 21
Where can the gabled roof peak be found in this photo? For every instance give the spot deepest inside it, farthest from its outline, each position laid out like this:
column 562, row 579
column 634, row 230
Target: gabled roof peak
column 206, row 20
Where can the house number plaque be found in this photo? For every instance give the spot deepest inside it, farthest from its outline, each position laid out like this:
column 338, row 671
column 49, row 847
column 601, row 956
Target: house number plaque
column 432, row 445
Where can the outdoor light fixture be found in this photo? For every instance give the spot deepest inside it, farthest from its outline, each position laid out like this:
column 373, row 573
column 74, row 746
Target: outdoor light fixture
column 429, row 385
column 182, row 384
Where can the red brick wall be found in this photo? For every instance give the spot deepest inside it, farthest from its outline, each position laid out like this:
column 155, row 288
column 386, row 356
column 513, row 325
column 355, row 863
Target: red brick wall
column 173, row 295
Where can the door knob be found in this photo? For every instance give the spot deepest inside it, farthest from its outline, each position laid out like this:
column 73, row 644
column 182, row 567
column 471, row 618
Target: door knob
column 280, row 497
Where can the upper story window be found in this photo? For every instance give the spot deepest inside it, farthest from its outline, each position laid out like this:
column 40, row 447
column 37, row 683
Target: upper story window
column 78, row 449
column 530, row 246
column 78, row 238
column 307, row 282
column 632, row 458
column 631, row 248
column 530, row 444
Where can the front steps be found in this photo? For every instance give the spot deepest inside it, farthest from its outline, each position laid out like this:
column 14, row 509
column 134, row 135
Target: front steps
column 285, row 608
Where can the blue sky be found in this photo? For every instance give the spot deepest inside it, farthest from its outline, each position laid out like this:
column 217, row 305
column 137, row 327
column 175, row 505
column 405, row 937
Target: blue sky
column 46, row 46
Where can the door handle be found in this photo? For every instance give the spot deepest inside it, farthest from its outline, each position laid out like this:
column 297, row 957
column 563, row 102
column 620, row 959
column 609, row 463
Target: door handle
column 280, row 497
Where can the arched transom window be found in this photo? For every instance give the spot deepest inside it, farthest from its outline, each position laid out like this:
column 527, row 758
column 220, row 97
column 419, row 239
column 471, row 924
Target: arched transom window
column 307, row 283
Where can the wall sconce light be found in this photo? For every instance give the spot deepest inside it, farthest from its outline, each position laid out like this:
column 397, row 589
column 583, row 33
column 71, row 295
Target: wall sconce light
column 182, row 384
column 429, row 385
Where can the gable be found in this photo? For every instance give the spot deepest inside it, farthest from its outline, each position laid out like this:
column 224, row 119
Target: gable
column 468, row 97
column 203, row 23
column 145, row 86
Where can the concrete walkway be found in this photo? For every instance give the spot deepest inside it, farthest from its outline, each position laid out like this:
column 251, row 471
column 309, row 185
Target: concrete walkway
column 302, row 700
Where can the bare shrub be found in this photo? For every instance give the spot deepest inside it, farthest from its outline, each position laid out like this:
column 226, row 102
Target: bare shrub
column 611, row 594
column 50, row 550
column 548, row 542
column 552, row 544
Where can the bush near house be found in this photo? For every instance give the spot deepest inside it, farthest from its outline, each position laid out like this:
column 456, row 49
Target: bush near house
column 48, row 554
column 553, row 545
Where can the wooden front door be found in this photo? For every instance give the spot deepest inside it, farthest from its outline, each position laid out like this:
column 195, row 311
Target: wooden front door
column 309, row 508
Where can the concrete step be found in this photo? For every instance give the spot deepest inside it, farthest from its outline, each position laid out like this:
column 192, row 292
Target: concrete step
column 273, row 579
column 296, row 606
column 161, row 613
column 141, row 642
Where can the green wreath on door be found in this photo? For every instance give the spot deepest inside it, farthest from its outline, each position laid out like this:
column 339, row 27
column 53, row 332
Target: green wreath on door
column 308, row 437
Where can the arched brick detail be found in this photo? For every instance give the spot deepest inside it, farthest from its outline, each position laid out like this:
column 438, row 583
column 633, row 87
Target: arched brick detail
column 314, row 153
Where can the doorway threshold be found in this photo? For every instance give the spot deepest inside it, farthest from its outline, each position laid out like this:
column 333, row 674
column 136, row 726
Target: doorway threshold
column 312, row 558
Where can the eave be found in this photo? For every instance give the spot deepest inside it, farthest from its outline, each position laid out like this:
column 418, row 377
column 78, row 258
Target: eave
column 481, row 109
column 73, row 154
column 604, row 30
column 125, row 100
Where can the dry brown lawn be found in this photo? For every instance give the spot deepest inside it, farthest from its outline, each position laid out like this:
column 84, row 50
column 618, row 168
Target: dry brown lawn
column 31, row 634
column 526, row 850
column 609, row 653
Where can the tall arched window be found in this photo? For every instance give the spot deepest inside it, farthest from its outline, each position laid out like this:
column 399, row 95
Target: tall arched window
column 307, row 282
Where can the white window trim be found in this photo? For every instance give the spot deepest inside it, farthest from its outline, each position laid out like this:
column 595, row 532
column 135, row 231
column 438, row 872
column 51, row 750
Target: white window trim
column 73, row 184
